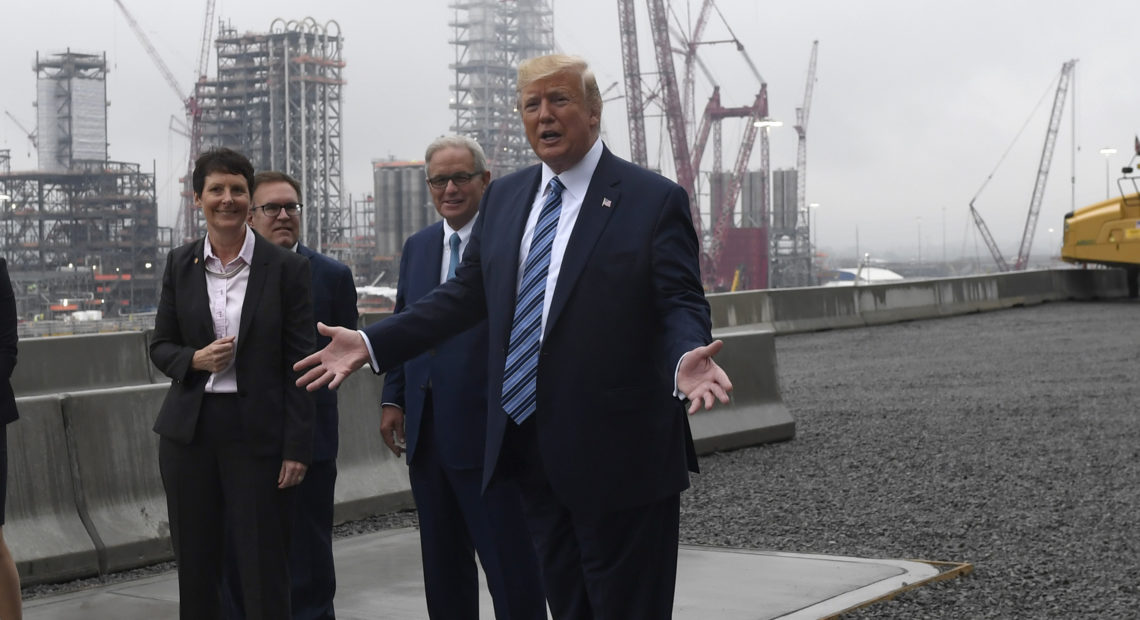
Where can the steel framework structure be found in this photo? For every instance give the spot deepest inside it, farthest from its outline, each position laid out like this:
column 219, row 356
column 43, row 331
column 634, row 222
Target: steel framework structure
column 97, row 215
column 491, row 37
column 277, row 98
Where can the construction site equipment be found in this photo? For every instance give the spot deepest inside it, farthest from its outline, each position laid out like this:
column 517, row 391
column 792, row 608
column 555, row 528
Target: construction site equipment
column 1038, row 185
column 188, row 223
column 1108, row 232
column 676, row 102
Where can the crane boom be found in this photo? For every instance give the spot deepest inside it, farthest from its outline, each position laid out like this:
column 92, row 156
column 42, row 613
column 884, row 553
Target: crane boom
column 634, row 104
column 1043, row 167
column 674, row 119
column 167, row 74
column 801, row 132
column 988, row 238
column 207, row 35
column 31, row 134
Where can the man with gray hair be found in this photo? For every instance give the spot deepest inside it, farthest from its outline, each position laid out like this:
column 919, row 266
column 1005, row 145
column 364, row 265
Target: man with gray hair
column 435, row 409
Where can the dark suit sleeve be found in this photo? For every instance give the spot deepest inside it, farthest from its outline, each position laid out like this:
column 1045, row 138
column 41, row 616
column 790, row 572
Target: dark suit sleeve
column 344, row 301
column 167, row 351
column 451, row 308
column 297, row 341
column 394, row 379
column 8, row 332
column 680, row 298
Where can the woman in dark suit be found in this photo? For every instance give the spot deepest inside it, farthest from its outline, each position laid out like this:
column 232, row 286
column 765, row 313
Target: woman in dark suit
column 237, row 433
column 9, row 578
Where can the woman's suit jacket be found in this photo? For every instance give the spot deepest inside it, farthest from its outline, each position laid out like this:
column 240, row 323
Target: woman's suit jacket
column 276, row 331
column 8, row 340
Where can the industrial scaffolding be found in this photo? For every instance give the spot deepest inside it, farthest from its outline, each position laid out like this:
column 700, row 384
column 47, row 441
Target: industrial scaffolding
column 491, row 37
column 80, row 233
column 277, row 99
column 98, row 217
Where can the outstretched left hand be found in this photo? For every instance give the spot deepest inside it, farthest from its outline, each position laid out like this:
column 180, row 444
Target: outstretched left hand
column 701, row 380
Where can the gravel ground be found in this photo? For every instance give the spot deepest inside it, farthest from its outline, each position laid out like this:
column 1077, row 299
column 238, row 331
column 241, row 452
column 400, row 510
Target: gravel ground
column 1009, row 440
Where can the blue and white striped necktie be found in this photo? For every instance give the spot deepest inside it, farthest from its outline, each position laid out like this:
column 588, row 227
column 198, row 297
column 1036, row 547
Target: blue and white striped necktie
column 519, row 380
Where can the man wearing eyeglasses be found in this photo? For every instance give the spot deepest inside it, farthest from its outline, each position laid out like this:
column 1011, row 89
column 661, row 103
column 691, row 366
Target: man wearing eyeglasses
column 435, row 410
column 276, row 215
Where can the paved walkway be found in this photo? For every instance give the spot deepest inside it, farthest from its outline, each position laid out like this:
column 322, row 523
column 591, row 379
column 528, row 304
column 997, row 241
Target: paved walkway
column 380, row 576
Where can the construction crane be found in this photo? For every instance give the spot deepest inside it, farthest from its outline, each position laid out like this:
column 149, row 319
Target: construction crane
column 1038, row 186
column 1043, row 167
column 801, row 132
column 676, row 103
column 185, row 223
column 988, row 238
column 31, row 134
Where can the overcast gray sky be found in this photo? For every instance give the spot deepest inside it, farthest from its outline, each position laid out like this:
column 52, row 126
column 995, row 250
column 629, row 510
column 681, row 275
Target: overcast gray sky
column 915, row 101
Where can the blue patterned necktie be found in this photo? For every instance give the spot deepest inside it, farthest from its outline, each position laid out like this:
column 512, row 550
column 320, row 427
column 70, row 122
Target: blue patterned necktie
column 519, row 379
column 453, row 241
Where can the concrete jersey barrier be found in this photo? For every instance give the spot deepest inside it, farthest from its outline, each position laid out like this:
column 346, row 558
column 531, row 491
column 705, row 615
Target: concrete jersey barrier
column 71, row 363
column 43, row 528
column 115, row 456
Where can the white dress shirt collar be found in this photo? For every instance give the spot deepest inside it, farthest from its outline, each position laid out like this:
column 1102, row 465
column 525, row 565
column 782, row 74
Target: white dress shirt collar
column 576, row 180
column 245, row 254
column 464, row 233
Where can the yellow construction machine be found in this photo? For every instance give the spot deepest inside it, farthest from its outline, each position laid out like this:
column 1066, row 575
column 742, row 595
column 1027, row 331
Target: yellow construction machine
column 1108, row 233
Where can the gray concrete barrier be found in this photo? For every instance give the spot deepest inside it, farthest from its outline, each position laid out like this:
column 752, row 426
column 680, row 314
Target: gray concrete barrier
column 43, row 527
column 370, row 479
column 116, row 467
column 71, row 363
column 810, row 309
column 757, row 413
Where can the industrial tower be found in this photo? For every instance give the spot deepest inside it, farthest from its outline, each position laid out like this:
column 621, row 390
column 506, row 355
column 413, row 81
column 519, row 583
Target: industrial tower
column 81, row 232
column 277, row 99
column 491, row 37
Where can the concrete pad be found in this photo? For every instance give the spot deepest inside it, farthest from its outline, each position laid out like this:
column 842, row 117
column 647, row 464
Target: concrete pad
column 380, row 576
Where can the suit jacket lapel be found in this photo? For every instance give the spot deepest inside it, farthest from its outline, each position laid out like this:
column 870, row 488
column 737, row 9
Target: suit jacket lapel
column 198, row 297
column 514, row 225
column 602, row 199
column 432, row 260
column 254, row 287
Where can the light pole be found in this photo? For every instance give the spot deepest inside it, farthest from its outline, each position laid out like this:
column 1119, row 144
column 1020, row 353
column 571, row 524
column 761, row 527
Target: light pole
column 1108, row 153
column 1051, row 244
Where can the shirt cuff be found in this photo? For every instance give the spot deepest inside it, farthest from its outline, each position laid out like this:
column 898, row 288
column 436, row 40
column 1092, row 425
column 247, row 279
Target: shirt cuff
column 676, row 371
column 371, row 353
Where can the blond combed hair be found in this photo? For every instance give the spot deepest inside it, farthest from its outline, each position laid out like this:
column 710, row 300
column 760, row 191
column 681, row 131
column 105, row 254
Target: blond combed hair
column 538, row 68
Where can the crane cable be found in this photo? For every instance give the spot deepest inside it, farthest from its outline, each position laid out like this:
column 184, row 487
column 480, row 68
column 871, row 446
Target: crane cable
column 1045, row 95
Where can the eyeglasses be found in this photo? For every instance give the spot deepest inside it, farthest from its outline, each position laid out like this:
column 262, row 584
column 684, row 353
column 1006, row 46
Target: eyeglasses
column 459, row 178
column 273, row 209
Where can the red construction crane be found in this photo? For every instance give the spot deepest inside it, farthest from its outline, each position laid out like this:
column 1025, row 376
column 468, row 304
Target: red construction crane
column 674, row 102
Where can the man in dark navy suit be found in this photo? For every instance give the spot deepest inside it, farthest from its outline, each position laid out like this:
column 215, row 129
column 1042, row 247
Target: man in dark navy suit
column 586, row 270
column 435, row 405
column 276, row 215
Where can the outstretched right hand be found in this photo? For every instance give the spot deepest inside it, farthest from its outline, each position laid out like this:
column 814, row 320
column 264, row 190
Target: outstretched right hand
column 334, row 363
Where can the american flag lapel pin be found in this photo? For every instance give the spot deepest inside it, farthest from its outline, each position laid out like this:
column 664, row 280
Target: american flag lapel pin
column 606, row 203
